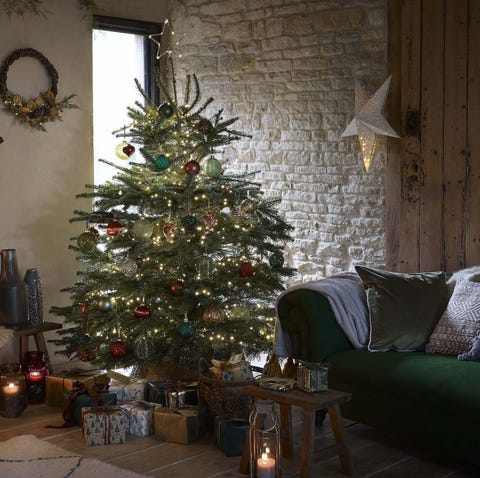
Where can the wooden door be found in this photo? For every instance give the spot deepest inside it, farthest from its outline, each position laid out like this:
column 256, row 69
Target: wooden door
column 433, row 173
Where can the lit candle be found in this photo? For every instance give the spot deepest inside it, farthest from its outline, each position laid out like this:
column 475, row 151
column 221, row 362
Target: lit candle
column 265, row 467
column 10, row 390
column 35, row 376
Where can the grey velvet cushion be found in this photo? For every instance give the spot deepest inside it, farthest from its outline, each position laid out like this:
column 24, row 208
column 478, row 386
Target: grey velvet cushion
column 403, row 308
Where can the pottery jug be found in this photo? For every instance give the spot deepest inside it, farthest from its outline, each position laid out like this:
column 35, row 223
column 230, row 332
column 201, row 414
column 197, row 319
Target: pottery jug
column 13, row 297
column 34, row 296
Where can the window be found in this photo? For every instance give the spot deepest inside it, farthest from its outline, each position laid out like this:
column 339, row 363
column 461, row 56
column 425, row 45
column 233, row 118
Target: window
column 121, row 52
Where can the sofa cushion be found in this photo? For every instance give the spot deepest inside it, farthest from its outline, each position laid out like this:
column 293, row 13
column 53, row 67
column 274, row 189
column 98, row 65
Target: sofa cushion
column 460, row 322
column 404, row 308
column 433, row 381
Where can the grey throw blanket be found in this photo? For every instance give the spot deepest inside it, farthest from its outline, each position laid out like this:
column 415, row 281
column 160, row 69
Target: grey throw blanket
column 348, row 300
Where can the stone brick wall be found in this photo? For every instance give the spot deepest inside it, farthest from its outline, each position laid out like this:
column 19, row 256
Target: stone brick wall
column 287, row 69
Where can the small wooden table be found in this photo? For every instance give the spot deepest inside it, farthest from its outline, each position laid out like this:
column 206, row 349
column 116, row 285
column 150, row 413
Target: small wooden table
column 37, row 332
column 309, row 402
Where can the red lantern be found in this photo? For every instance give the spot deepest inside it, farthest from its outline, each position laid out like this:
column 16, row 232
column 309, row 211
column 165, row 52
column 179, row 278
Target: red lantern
column 245, row 269
column 114, row 228
column 118, row 349
column 192, row 167
column 177, row 288
column 142, row 311
column 35, row 370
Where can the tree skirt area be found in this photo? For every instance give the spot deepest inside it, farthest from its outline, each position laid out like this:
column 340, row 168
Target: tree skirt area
column 27, row 455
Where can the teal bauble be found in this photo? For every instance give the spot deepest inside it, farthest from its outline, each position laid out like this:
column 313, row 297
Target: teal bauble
column 186, row 330
column 87, row 241
column 213, row 167
column 239, row 312
column 276, row 260
column 189, row 222
column 162, row 162
column 104, row 304
column 166, row 110
column 143, row 229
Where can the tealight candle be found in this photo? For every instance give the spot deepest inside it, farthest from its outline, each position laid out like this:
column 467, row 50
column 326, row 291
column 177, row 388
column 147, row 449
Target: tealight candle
column 265, row 467
column 10, row 390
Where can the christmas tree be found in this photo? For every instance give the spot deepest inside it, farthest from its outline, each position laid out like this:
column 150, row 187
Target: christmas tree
column 181, row 259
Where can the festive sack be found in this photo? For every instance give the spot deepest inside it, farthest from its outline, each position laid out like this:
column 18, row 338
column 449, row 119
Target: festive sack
column 230, row 435
column 176, row 426
column 172, row 395
column 75, row 401
column 236, row 369
column 57, row 384
column 140, row 417
column 104, row 425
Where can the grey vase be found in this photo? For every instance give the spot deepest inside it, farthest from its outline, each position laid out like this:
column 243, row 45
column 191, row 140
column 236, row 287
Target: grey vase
column 13, row 297
column 34, row 297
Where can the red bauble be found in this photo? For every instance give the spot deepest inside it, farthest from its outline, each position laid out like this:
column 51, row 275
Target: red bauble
column 114, row 228
column 245, row 269
column 142, row 311
column 204, row 126
column 128, row 149
column 177, row 288
column 118, row 349
column 85, row 307
column 192, row 167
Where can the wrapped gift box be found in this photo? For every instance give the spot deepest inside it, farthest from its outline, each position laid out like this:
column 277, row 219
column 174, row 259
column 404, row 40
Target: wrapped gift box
column 172, row 395
column 230, row 434
column 176, row 426
column 83, row 400
column 140, row 417
column 57, row 384
column 104, row 425
column 236, row 369
column 127, row 389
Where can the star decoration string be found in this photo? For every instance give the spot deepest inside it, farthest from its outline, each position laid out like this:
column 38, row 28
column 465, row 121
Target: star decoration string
column 368, row 120
column 169, row 52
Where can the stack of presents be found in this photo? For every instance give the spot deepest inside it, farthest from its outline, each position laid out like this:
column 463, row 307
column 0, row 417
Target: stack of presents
column 109, row 406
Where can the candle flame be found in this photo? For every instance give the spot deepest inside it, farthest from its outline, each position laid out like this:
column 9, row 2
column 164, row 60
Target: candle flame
column 264, row 457
column 11, row 385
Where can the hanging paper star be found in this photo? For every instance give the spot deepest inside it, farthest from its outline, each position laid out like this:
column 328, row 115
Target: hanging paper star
column 368, row 120
column 169, row 52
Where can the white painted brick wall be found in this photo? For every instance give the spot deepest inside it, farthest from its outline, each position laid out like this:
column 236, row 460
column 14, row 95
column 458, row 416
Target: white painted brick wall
column 287, row 69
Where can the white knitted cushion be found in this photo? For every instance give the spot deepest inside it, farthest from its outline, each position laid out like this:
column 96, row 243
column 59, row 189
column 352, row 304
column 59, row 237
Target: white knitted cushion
column 460, row 322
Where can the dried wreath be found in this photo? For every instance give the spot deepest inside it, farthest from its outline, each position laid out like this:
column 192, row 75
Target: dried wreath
column 35, row 112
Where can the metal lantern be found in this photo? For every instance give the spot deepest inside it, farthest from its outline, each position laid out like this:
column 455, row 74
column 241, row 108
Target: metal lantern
column 264, row 441
column 13, row 391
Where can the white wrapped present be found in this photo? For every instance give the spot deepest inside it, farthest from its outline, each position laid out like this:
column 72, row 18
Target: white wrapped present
column 140, row 417
column 126, row 389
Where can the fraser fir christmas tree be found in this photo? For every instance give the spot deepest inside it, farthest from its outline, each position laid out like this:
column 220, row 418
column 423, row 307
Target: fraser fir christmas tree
column 182, row 259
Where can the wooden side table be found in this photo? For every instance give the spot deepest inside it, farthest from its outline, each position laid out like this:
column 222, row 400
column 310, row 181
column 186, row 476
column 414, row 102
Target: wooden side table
column 309, row 402
column 37, row 332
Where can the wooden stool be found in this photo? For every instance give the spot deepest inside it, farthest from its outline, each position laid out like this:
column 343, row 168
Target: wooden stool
column 37, row 332
column 309, row 402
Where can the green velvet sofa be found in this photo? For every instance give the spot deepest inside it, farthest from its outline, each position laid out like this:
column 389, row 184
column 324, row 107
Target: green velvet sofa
column 431, row 400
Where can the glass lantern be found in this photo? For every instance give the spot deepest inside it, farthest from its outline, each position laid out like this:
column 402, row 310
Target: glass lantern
column 13, row 396
column 35, row 370
column 264, row 441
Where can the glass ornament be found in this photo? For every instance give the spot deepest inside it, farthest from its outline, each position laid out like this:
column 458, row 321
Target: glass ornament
column 264, row 431
column 86, row 349
column 205, row 267
column 166, row 110
column 213, row 167
column 186, row 329
column 176, row 289
column 119, row 150
column 248, row 206
column 142, row 311
column 87, row 241
column 189, row 222
column 213, row 315
column 85, row 307
column 204, row 126
column 104, row 305
column 143, row 229
column 162, row 162
column 192, row 167
column 128, row 149
column 118, row 349
column 169, row 231
column 143, row 348
column 276, row 260
column 245, row 269
column 114, row 228
column 129, row 268
column 210, row 220
column 240, row 312
column 13, row 391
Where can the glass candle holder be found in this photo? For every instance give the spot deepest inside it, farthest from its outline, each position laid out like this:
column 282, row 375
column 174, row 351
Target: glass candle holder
column 13, row 396
column 264, row 432
column 35, row 370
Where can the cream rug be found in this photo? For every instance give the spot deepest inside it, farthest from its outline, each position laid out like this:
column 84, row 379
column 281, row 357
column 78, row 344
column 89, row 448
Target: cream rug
column 27, row 456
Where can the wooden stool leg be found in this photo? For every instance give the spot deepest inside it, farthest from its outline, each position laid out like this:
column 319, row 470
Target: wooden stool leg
column 337, row 428
column 42, row 347
column 307, row 443
column 23, row 347
column 286, row 430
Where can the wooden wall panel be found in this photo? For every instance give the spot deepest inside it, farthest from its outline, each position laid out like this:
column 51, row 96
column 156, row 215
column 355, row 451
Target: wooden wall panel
column 455, row 132
column 431, row 146
column 472, row 214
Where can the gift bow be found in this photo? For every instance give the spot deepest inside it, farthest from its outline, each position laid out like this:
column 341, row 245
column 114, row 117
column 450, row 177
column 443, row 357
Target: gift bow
column 232, row 363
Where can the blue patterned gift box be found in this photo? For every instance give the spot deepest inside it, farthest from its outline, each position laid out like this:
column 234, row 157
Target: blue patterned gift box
column 127, row 392
column 104, row 425
column 140, row 417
